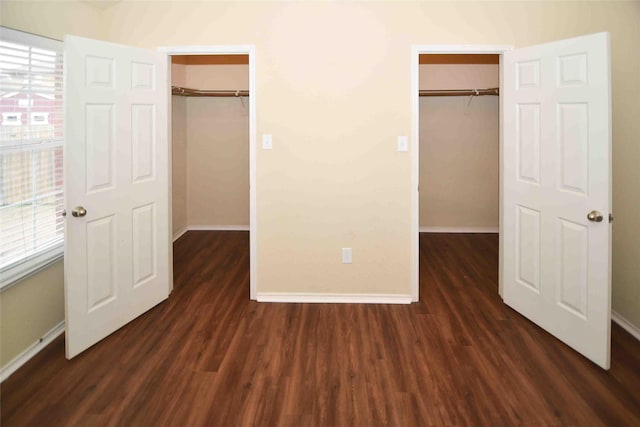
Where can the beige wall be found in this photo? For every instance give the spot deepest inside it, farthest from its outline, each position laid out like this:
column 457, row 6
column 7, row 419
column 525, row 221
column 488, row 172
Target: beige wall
column 179, row 151
column 459, row 149
column 34, row 306
column 53, row 19
column 179, row 163
column 210, row 149
column 336, row 100
column 218, row 148
column 217, row 161
column 459, row 162
column 459, row 76
column 178, row 75
column 30, row 309
column 221, row 77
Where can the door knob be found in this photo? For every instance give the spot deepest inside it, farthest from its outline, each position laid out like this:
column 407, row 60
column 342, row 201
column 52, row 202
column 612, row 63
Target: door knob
column 80, row 211
column 594, row 216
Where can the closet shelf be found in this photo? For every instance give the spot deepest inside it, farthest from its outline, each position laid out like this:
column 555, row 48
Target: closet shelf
column 461, row 92
column 184, row 91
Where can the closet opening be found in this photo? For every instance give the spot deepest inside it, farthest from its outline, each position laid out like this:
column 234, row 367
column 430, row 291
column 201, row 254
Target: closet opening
column 459, row 170
column 212, row 167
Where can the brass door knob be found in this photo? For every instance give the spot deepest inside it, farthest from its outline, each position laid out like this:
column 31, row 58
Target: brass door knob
column 594, row 216
column 78, row 211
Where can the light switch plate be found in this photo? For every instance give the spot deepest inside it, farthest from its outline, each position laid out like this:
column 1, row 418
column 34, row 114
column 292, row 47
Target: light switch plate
column 403, row 143
column 347, row 256
column 267, row 142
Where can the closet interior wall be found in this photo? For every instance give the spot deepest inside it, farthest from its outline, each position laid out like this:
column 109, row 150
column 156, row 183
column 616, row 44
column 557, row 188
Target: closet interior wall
column 210, row 145
column 459, row 147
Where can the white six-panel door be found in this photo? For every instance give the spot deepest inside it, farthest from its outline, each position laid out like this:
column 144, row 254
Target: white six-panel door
column 116, row 155
column 557, row 155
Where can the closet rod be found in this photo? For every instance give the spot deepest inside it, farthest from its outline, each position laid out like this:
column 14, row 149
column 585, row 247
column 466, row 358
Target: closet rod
column 184, row 91
column 461, row 92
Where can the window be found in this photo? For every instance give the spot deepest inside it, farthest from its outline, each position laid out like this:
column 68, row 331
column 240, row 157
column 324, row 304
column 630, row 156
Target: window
column 39, row 118
column 11, row 119
column 31, row 142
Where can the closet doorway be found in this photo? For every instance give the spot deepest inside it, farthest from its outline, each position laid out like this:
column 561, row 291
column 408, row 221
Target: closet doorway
column 459, row 143
column 456, row 186
column 212, row 143
column 554, row 165
column 459, row 163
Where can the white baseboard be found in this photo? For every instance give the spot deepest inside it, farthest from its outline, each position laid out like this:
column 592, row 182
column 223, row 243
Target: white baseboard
column 34, row 349
column 295, row 297
column 180, row 233
column 183, row 230
column 626, row 325
column 459, row 229
column 218, row 227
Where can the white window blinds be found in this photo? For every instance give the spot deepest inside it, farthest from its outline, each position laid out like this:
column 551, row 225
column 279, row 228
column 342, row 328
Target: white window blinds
column 31, row 146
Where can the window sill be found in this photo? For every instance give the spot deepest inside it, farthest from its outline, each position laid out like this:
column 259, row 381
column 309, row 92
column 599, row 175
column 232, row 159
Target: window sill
column 20, row 270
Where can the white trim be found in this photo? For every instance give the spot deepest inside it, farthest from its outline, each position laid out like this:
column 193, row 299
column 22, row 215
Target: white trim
column 462, row 48
column 235, row 49
column 253, row 216
column 170, row 174
column 626, row 325
column 501, row 181
column 415, row 174
column 180, row 233
column 183, row 230
column 459, row 229
column 313, row 298
column 217, row 228
column 31, row 351
column 416, row 50
column 28, row 266
column 250, row 50
column 20, row 37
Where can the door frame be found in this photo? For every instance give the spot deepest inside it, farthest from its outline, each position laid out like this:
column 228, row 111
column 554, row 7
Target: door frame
column 416, row 51
column 249, row 50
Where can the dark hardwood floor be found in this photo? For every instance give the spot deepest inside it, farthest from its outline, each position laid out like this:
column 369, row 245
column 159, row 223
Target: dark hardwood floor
column 209, row 356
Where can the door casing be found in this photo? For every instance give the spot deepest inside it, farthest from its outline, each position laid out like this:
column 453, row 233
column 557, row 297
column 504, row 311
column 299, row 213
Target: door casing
column 249, row 50
column 416, row 51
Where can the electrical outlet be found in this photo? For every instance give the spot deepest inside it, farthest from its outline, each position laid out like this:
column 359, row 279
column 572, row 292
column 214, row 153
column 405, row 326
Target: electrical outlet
column 347, row 256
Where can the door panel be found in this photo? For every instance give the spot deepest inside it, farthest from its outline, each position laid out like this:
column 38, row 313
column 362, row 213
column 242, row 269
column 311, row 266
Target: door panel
column 144, row 248
column 101, row 266
column 116, row 166
column 100, row 146
column 556, row 154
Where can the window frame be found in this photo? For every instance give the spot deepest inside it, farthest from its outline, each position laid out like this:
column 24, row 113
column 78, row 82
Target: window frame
column 48, row 254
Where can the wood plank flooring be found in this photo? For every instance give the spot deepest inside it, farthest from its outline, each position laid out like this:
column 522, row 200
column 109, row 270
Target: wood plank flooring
column 208, row 356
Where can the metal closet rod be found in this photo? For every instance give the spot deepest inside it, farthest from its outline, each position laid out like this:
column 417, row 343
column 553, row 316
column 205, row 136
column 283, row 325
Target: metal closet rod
column 461, row 92
column 184, row 91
